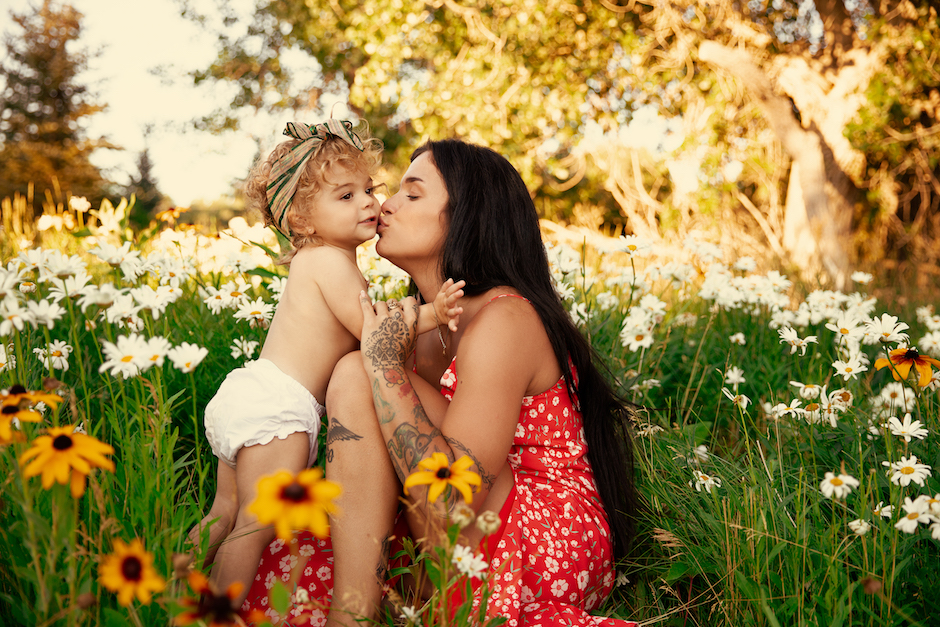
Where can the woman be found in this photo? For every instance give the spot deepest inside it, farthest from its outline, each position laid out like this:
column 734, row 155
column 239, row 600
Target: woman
column 515, row 375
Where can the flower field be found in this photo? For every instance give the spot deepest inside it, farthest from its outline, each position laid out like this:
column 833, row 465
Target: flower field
column 786, row 437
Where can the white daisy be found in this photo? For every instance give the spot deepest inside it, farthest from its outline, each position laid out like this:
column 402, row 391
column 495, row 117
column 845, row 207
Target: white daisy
column 859, row 526
column 907, row 429
column 187, row 356
column 734, row 376
column 701, row 480
column 916, row 514
column 907, row 470
column 835, row 486
column 127, row 357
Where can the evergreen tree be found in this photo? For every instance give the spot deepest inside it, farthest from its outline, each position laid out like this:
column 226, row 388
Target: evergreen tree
column 43, row 107
column 143, row 186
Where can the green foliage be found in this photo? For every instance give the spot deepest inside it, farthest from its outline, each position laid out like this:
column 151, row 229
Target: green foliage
column 759, row 546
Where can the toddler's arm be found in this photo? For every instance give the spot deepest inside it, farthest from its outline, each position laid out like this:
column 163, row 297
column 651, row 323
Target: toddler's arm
column 443, row 310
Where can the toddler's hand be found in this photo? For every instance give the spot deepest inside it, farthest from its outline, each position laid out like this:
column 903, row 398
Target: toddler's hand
column 446, row 310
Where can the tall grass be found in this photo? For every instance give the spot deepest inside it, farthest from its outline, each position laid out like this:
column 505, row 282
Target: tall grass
column 756, row 542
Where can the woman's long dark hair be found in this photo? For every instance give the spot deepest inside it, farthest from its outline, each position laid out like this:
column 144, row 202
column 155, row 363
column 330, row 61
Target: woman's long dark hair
column 494, row 239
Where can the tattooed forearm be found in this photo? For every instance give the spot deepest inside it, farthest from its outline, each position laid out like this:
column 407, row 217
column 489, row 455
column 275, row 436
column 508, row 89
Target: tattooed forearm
column 458, row 446
column 408, row 446
column 390, row 344
column 383, row 409
column 337, row 431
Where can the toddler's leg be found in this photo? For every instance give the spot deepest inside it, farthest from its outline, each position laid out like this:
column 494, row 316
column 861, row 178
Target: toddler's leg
column 239, row 556
column 221, row 516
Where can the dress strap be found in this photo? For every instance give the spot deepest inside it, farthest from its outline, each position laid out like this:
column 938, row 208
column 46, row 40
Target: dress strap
column 498, row 296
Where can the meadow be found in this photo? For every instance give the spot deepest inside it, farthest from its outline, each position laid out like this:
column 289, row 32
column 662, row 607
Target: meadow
column 785, row 436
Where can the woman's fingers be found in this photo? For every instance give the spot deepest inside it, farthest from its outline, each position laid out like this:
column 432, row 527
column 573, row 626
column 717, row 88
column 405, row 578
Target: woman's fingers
column 368, row 309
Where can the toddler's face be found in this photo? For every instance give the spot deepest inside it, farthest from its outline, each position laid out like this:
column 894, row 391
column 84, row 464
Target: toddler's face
column 345, row 211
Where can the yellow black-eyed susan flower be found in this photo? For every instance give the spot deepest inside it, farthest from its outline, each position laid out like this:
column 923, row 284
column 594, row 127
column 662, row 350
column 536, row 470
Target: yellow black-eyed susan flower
column 63, row 456
column 129, row 573
column 903, row 359
column 214, row 610
column 18, row 403
column 296, row 502
column 438, row 474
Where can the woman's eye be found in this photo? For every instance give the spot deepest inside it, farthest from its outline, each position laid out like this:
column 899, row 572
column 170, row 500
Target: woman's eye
column 412, row 197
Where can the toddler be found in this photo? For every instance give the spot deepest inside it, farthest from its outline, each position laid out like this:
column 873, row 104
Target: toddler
column 317, row 190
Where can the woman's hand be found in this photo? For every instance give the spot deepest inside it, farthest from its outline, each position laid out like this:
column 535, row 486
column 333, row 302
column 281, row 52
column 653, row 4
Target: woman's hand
column 389, row 334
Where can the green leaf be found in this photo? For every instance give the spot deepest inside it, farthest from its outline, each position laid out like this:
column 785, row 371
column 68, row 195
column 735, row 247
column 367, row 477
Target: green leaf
column 280, row 598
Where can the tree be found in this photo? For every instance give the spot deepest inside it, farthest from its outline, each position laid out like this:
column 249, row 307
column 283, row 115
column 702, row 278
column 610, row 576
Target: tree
column 143, row 186
column 765, row 95
column 43, row 107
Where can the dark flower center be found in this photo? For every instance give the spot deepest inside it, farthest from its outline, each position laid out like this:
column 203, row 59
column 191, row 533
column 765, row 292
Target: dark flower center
column 131, row 567
column 17, row 388
column 443, row 473
column 11, row 409
column 216, row 608
column 294, row 492
column 911, row 354
column 62, row 443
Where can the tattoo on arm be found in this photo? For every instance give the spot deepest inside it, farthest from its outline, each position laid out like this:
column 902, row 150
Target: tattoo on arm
column 381, row 569
column 487, row 478
column 337, row 431
column 408, row 446
column 389, row 346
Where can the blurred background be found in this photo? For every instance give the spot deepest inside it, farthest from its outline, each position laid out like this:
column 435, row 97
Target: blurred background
column 801, row 133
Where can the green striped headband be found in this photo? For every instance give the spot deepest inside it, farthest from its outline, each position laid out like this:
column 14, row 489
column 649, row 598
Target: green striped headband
column 285, row 174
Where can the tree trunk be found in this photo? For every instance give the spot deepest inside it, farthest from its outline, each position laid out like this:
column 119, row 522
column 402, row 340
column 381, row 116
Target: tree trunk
column 817, row 219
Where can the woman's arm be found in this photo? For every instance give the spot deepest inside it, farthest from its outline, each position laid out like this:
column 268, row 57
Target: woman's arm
column 497, row 363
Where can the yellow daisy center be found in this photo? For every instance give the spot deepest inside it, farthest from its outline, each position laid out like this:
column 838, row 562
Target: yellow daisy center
column 256, row 313
column 848, row 368
column 913, row 516
column 127, row 358
column 907, row 470
column 812, row 407
column 836, row 481
column 56, row 353
column 640, row 337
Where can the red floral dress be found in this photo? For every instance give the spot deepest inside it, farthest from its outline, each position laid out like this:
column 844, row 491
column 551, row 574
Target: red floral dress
column 552, row 555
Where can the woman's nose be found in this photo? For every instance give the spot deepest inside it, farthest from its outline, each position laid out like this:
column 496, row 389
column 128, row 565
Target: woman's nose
column 391, row 204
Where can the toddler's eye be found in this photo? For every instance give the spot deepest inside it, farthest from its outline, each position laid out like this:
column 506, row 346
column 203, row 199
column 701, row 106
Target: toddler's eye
column 370, row 190
column 347, row 196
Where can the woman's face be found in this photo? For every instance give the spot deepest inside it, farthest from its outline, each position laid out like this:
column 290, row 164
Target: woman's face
column 413, row 223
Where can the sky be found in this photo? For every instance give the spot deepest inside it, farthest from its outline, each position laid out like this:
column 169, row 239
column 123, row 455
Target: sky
column 135, row 37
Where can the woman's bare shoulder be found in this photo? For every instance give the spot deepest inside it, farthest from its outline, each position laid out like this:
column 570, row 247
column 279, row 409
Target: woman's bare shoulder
column 507, row 335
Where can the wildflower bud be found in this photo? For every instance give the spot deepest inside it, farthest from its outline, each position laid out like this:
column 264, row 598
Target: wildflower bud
column 86, row 600
column 301, row 596
column 462, row 515
column 488, row 522
column 51, row 383
column 27, row 287
column 182, row 563
column 871, row 585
